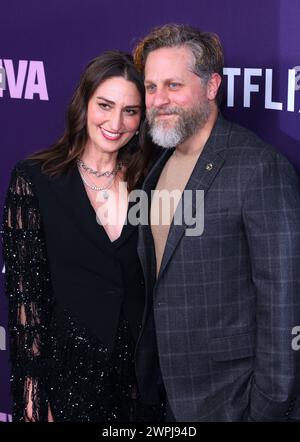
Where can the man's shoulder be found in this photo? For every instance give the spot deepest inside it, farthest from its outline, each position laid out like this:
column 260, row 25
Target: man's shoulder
column 250, row 147
column 242, row 137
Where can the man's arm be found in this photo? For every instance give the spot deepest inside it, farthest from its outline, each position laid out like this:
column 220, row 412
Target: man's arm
column 271, row 212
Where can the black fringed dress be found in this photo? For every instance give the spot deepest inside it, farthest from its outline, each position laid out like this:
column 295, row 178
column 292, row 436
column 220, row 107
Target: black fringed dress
column 75, row 304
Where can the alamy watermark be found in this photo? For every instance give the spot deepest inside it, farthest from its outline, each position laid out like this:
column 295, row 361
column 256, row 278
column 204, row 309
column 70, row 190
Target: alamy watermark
column 2, row 338
column 2, row 78
column 297, row 77
column 182, row 208
column 296, row 339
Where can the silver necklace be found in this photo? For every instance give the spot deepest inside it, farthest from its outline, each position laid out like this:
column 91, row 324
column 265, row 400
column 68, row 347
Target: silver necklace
column 98, row 174
column 105, row 194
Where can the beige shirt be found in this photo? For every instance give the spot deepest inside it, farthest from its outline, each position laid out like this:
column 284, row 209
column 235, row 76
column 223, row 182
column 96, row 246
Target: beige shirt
column 173, row 178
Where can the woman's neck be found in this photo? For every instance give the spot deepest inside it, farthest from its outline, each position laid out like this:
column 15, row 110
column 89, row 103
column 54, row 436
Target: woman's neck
column 101, row 161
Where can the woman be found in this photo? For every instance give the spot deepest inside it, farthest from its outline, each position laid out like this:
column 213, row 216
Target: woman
column 73, row 277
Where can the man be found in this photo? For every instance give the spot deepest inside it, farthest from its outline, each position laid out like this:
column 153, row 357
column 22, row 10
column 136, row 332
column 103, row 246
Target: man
column 224, row 303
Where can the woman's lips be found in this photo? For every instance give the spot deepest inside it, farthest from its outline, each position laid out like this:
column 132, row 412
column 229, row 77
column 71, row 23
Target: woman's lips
column 112, row 136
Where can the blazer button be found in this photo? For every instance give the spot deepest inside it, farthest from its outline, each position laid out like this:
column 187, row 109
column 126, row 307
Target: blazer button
column 209, row 166
column 161, row 304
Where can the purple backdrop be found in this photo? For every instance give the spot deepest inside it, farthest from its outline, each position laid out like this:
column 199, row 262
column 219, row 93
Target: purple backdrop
column 44, row 47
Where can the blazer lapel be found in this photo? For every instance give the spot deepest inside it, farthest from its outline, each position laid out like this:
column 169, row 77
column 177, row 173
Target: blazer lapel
column 203, row 175
column 70, row 192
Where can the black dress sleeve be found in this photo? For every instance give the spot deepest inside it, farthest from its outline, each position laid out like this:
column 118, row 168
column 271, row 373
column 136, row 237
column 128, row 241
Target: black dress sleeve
column 27, row 284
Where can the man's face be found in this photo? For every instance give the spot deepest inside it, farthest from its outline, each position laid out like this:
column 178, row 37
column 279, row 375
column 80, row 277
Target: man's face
column 176, row 99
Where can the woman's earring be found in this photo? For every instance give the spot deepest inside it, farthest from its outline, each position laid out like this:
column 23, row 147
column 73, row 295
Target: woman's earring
column 137, row 132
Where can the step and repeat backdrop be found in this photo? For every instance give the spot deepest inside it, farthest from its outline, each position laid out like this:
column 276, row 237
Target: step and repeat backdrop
column 45, row 45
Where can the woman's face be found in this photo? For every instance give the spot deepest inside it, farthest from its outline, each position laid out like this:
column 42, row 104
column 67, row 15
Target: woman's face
column 113, row 114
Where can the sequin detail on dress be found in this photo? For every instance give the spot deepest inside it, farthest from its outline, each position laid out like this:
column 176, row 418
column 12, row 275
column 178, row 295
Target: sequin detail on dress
column 55, row 359
column 88, row 384
column 27, row 283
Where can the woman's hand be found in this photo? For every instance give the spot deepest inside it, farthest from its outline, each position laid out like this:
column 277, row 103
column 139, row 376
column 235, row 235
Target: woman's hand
column 50, row 417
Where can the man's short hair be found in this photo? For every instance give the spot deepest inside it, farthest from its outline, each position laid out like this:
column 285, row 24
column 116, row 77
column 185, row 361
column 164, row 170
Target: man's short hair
column 205, row 47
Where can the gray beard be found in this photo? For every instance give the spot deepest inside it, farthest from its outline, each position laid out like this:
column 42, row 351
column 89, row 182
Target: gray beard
column 187, row 124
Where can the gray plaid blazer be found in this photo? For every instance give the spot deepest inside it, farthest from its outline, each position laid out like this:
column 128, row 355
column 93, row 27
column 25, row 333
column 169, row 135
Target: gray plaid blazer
column 221, row 313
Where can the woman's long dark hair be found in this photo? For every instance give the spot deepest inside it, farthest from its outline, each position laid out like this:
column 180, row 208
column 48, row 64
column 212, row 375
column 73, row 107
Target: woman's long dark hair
column 63, row 155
